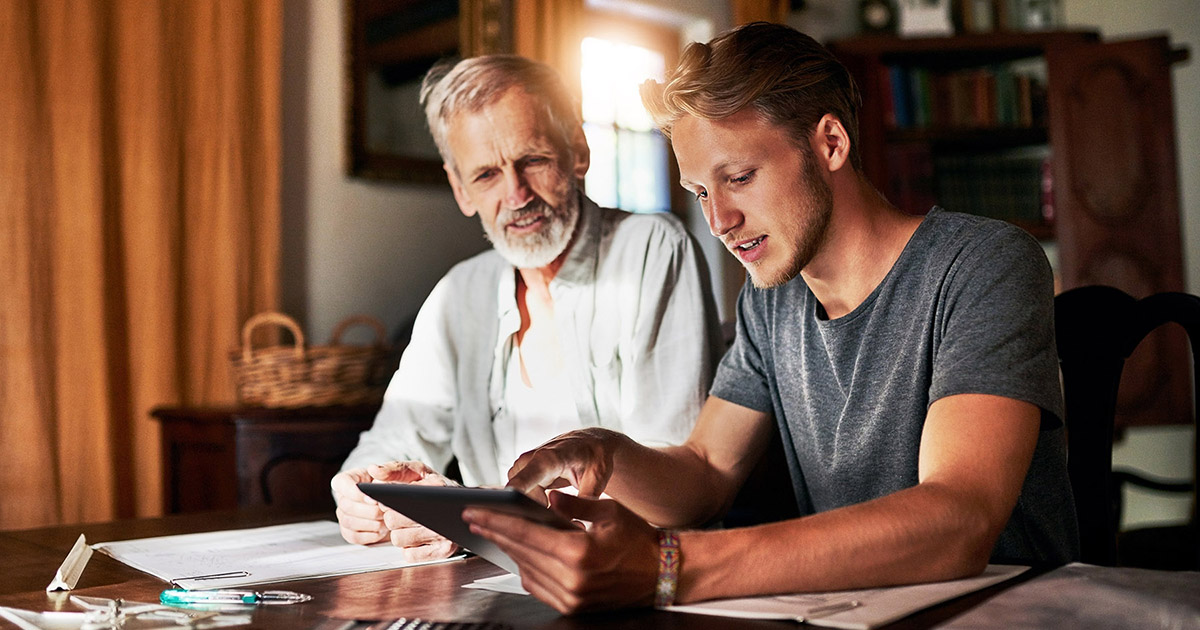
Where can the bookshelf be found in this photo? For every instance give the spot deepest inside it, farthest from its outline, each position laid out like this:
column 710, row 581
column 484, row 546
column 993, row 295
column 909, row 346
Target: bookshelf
column 1064, row 134
column 960, row 122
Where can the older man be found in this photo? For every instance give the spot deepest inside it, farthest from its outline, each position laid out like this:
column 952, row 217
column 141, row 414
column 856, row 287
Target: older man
column 580, row 317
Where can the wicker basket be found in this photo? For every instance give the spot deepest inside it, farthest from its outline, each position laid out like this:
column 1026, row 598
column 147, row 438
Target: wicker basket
column 296, row 376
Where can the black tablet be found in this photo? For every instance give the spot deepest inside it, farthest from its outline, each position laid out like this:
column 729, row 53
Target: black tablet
column 440, row 508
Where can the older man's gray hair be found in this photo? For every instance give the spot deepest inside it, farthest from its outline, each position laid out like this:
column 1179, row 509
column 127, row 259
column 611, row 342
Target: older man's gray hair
column 453, row 87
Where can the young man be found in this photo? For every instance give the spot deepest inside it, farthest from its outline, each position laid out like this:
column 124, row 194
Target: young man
column 908, row 363
column 579, row 317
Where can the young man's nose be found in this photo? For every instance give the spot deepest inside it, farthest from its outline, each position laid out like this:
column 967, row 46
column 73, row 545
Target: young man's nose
column 722, row 215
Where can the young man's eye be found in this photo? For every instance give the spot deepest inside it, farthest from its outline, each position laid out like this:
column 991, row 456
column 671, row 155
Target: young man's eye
column 743, row 178
column 701, row 194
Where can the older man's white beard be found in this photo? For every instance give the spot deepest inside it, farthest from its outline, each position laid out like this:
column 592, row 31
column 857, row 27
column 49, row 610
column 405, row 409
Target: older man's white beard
column 541, row 248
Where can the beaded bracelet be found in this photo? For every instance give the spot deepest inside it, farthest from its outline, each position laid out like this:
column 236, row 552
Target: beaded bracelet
column 669, row 559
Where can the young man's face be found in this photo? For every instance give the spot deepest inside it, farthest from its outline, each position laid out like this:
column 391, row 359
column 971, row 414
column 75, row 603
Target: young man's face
column 516, row 178
column 763, row 197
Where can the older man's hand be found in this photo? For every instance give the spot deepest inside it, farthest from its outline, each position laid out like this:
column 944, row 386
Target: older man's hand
column 364, row 520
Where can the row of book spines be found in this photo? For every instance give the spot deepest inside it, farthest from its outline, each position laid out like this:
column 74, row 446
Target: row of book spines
column 986, row 97
column 1013, row 189
column 1016, row 189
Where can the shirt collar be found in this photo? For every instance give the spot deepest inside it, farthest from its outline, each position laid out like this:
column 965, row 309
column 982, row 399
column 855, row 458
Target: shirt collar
column 580, row 266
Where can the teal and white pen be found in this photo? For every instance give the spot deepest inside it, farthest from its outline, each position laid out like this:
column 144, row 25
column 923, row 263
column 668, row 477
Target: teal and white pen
column 178, row 596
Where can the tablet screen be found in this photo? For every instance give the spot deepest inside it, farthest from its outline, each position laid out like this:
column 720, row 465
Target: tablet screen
column 440, row 508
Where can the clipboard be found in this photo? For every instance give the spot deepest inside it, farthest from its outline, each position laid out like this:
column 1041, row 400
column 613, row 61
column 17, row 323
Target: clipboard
column 440, row 509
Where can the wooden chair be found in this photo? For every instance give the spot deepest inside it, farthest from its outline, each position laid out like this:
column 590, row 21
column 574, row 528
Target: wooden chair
column 1098, row 328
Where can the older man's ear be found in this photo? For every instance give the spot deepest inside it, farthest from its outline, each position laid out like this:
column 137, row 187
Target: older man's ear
column 460, row 195
column 583, row 154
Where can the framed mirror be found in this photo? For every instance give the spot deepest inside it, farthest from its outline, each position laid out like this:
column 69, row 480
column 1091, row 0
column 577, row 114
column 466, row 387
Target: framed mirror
column 391, row 44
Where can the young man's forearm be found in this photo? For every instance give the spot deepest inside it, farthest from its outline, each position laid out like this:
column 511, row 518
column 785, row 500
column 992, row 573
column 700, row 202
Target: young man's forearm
column 920, row 534
column 669, row 487
column 692, row 484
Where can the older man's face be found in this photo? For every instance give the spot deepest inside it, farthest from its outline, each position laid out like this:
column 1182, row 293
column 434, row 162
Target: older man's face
column 515, row 176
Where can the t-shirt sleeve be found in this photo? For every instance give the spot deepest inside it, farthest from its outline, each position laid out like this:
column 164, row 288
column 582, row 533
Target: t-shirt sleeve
column 995, row 331
column 742, row 374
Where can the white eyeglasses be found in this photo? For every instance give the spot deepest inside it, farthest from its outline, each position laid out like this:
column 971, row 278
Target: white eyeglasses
column 103, row 613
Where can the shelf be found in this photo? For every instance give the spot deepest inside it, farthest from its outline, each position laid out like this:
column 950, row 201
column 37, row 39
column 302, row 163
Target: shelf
column 968, row 50
column 982, row 139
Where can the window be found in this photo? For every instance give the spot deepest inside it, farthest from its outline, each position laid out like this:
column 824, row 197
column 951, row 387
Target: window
column 630, row 165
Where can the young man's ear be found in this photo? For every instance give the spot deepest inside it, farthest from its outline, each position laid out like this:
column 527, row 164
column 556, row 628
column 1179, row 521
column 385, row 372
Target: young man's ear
column 831, row 142
column 460, row 194
column 582, row 153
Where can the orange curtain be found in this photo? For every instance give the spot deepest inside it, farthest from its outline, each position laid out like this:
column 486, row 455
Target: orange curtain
column 550, row 31
column 745, row 11
column 139, row 226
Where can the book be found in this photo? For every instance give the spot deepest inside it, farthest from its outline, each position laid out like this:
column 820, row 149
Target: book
column 900, row 96
column 861, row 609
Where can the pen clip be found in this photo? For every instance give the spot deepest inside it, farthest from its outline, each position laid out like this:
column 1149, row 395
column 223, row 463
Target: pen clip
column 831, row 609
column 211, row 576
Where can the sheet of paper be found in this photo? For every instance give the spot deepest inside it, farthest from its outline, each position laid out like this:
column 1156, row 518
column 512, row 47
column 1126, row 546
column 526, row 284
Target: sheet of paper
column 855, row 610
column 59, row 620
column 29, row 620
column 244, row 557
column 505, row 583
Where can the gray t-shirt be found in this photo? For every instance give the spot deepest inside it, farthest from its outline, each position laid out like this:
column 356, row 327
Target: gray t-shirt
column 967, row 308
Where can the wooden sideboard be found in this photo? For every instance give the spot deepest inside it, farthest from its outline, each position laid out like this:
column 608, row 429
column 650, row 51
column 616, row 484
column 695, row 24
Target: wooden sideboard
column 217, row 458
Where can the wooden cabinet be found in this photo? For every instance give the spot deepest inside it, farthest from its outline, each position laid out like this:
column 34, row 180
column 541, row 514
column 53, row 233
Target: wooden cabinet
column 229, row 457
column 1100, row 116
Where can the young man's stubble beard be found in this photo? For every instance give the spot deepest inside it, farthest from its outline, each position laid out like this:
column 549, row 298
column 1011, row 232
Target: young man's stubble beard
column 810, row 224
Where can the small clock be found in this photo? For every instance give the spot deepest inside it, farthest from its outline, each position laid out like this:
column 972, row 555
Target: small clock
column 877, row 16
column 923, row 18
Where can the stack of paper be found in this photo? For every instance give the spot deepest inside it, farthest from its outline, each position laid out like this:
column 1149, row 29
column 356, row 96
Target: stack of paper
column 262, row 555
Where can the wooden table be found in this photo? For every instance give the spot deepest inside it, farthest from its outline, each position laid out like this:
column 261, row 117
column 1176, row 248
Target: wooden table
column 29, row 558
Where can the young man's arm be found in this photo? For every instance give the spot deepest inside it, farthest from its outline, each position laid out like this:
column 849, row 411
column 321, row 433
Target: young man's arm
column 975, row 451
column 678, row 486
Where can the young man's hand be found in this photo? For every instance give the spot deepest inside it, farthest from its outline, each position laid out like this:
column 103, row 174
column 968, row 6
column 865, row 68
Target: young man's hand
column 582, row 459
column 613, row 563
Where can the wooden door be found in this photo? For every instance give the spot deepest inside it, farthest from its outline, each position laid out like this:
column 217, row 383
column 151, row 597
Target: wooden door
column 1116, row 199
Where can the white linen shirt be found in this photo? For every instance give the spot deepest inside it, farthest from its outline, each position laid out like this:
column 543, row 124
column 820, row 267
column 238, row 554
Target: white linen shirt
column 637, row 326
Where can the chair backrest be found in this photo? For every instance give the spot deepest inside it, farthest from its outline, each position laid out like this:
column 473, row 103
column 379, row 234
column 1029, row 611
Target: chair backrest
column 1098, row 327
